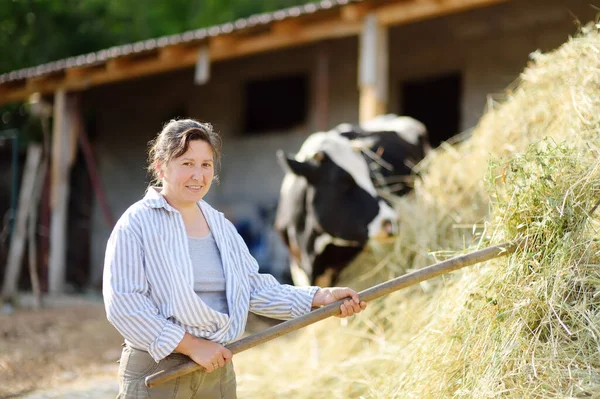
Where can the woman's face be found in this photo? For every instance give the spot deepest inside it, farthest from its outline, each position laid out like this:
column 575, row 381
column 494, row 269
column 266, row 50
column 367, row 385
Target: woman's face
column 187, row 179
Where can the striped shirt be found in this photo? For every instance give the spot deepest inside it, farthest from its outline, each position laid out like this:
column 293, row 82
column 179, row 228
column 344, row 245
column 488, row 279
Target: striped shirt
column 148, row 283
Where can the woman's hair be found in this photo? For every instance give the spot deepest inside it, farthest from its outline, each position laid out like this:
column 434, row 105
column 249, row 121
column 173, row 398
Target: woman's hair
column 174, row 140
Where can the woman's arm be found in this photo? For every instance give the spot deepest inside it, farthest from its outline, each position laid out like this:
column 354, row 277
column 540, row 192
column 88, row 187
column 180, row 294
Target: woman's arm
column 207, row 354
column 128, row 307
column 270, row 298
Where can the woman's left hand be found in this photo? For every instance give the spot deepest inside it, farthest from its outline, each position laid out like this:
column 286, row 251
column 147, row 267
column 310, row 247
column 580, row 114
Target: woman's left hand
column 353, row 305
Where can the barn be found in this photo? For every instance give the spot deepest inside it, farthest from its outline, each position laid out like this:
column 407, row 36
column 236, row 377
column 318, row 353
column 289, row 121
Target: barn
column 266, row 83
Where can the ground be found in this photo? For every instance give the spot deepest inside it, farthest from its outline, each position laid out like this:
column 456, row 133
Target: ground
column 60, row 351
column 66, row 350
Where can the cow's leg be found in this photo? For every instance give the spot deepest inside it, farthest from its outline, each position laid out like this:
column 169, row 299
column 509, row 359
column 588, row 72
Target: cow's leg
column 299, row 276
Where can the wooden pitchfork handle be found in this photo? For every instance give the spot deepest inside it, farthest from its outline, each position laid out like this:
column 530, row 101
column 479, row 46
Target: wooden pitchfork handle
column 333, row 309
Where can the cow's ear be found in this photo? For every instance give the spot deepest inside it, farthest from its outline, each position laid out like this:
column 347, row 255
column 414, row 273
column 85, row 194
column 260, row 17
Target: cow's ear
column 308, row 169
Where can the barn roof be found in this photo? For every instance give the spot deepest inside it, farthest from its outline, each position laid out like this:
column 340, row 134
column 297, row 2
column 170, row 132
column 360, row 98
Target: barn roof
column 187, row 37
column 262, row 32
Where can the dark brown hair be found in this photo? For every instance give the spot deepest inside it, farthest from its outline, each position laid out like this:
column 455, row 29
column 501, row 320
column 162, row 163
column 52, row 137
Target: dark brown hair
column 174, row 140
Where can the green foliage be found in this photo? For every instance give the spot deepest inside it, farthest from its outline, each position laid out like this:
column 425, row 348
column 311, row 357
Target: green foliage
column 33, row 32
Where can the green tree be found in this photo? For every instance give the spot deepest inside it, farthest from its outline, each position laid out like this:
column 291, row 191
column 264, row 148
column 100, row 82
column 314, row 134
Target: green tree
column 33, row 32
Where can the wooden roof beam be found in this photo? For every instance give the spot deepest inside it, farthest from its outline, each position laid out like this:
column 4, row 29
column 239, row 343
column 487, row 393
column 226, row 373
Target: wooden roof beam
column 118, row 64
column 354, row 12
column 175, row 52
column 14, row 92
column 416, row 10
column 302, row 34
column 80, row 72
column 284, row 34
column 43, row 84
column 287, row 27
column 221, row 45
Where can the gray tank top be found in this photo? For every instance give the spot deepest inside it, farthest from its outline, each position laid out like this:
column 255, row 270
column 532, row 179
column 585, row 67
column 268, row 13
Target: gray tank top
column 209, row 278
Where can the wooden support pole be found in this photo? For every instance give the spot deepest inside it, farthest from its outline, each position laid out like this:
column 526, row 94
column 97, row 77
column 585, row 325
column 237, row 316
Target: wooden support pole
column 32, row 234
column 94, row 175
column 62, row 159
column 17, row 243
column 373, row 69
column 322, row 89
column 202, row 70
column 333, row 309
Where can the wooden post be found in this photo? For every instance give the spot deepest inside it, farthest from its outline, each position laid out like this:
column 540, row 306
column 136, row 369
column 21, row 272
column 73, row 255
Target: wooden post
column 202, row 70
column 62, row 160
column 32, row 233
column 373, row 69
column 17, row 243
column 322, row 89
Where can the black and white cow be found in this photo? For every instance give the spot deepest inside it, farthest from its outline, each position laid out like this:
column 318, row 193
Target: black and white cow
column 329, row 205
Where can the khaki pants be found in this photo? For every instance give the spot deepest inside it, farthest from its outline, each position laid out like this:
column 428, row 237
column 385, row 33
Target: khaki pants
column 136, row 365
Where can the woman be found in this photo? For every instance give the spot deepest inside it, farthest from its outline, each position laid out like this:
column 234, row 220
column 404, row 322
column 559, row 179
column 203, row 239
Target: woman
column 179, row 280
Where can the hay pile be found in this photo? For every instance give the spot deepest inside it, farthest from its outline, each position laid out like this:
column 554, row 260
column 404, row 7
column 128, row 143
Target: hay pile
column 524, row 326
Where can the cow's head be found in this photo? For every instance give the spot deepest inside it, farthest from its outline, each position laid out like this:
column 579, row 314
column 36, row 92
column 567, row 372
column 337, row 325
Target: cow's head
column 340, row 195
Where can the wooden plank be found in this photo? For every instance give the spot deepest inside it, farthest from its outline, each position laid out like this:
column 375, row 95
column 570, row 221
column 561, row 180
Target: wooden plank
column 286, row 27
column 308, row 34
column 411, row 11
column 172, row 53
column 32, row 234
column 62, row 142
column 222, row 44
column 118, row 64
column 202, row 70
column 373, row 69
column 17, row 243
column 78, row 72
column 322, row 89
column 354, row 12
column 88, row 156
column 369, row 106
column 18, row 93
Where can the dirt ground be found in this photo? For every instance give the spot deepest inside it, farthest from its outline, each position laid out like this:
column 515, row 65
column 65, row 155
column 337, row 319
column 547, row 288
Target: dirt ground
column 50, row 352
column 66, row 350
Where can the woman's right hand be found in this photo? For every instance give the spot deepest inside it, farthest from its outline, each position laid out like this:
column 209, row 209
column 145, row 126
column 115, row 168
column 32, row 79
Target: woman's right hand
column 207, row 354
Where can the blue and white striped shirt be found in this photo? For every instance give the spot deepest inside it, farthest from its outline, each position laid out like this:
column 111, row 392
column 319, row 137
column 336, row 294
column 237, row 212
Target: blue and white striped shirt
column 148, row 284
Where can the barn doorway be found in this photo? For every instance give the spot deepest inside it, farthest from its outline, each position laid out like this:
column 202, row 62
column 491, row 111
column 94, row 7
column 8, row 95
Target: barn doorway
column 435, row 101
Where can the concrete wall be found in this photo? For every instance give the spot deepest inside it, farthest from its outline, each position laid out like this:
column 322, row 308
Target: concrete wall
column 490, row 47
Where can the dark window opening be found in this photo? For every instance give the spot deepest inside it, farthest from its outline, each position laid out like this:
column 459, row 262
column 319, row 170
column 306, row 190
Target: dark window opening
column 275, row 104
column 435, row 102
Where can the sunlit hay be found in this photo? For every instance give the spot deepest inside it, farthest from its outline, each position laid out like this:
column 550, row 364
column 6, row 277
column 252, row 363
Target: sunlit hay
column 527, row 325
column 524, row 326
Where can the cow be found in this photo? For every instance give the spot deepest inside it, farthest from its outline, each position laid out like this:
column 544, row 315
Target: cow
column 330, row 201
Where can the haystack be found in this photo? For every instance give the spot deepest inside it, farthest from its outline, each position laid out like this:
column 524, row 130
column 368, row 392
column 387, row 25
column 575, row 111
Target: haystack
column 524, row 326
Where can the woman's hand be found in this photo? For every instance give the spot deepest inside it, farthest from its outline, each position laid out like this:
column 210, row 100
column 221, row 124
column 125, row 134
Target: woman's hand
column 353, row 305
column 207, row 354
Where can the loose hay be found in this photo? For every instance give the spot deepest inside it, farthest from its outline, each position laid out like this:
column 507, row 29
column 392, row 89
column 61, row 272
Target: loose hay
column 525, row 326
